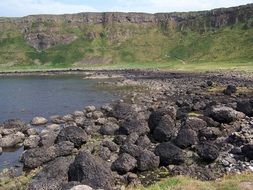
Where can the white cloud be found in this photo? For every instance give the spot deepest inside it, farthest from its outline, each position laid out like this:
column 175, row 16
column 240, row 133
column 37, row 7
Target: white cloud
column 28, row 7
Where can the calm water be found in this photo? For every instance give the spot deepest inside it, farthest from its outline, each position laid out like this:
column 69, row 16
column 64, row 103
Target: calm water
column 26, row 97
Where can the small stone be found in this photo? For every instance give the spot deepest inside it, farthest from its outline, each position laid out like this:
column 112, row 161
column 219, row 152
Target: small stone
column 1, row 150
column 97, row 114
column 81, row 187
column 78, row 114
column 225, row 163
column 32, row 131
column 39, row 121
column 90, row 108
column 68, row 117
column 89, row 115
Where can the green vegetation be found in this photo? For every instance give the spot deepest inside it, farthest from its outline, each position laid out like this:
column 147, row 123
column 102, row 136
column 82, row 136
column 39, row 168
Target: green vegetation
column 124, row 46
column 232, row 182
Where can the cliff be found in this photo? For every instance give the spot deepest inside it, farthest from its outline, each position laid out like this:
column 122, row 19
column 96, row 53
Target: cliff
column 122, row 37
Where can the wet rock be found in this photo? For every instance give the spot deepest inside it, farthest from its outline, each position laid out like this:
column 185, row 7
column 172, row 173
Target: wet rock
column 36, row 157
column 73, row 134
column 231, row 89
column 225, row 114
column 124, row 164
column 169, row 154
column 247, row 151
column 208, row 151
column 109, row 129
column 157, row 115
column 57, row 119
column 12, row 140
column 97, row 114
column 91, row 171
column 13, row 126
column 49, row 134
column 31, row 131
column 53, row 175
column 245, row 106
column 78, row 114
column 39, row 121
column 134, row 125
column 32, row 141
column 90, row 109
column 165, row 129
column 186, row 137
column 147, row 161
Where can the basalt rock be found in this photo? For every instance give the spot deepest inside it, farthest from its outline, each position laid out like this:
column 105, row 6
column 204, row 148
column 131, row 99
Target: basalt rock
column 91, row 171
column 124, row 164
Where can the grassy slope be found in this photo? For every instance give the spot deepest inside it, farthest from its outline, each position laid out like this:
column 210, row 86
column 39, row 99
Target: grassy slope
column 144, row 47
column 233, row 182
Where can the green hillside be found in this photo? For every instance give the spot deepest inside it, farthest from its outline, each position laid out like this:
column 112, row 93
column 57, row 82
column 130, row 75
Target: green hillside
column 111, row 44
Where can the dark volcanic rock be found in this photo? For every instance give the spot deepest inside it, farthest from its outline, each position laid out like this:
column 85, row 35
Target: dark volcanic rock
column 124, row 164
column 246, row 107
column 230, row 90
column 208, row 151
column 122, row 110
column 91, row 171
column 209, row 133
column 109, row 129
column 53, row 175
column 147, row 161
column 143, row 141
column 36, row 157
column 131, row 149
column 224, row 114
column 73, row 134
column 134, row 125
column 186, row 137
column 157, row 115
column 247, row 150
column 165, row 129
column 194, row 123
column 169, row 154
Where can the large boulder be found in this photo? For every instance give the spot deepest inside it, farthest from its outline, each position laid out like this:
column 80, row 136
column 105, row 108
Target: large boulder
column 134, row 125
column 207, row 151
column 73, row 134
column 12, row 126
column 225, row 114
column 124, row 163
column 247, row 150
column 53, row 176
column 194, row 123
column 49, row 134
column 245, row 106
column 39, row 121
column 12, row 140
column 92, row 171
column 165, row 129
column 231, row 89
column 36, row 157
column 169, row 154
column 147, row 160
column 122, row 110
column 157, row 115
column 186, row 137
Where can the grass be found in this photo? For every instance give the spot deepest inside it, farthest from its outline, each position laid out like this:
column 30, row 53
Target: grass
column 229, row 182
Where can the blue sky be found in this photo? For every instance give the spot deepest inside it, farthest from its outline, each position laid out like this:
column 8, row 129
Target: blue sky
column 28, row 7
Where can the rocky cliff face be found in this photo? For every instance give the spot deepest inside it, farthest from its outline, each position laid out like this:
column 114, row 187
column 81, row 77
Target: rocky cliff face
column 44, row 31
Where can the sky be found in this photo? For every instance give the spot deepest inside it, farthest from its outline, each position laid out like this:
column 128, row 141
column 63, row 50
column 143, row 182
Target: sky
column 17, row 8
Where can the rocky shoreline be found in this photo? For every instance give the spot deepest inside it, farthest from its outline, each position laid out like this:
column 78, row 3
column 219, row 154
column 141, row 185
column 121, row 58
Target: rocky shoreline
column 199, row 125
